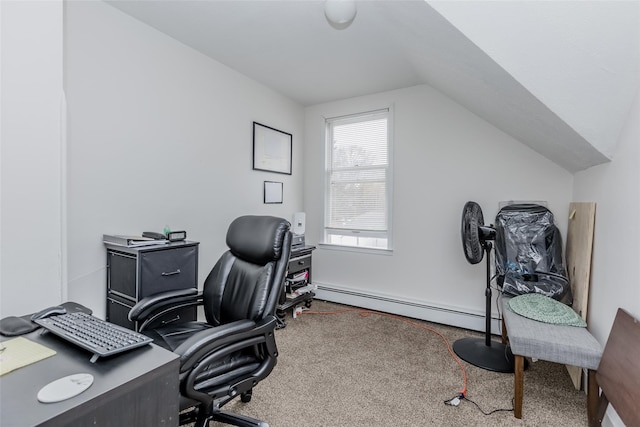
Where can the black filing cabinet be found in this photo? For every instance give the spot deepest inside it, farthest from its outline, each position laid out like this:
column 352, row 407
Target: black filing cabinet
column 135, row 273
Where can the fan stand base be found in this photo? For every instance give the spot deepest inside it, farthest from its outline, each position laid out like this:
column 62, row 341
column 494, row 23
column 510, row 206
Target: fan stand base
column 494, row 357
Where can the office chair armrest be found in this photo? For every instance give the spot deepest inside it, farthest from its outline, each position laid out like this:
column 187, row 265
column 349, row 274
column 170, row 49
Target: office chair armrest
column 160, row 303
column 206, row 342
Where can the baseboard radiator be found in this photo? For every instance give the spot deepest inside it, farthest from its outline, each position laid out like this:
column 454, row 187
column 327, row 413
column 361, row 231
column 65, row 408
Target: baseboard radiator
column 451, row 316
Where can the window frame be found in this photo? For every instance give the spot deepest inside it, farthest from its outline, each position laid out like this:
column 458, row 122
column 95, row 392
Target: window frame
column 328, row 231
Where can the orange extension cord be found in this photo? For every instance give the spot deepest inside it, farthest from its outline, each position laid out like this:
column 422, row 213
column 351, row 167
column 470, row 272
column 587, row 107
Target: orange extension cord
column 367, row 313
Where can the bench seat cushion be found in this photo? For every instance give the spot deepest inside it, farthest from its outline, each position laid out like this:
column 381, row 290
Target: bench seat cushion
column 569, row 345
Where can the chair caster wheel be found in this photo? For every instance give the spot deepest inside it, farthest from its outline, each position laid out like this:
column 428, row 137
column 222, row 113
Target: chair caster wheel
column 246, row 397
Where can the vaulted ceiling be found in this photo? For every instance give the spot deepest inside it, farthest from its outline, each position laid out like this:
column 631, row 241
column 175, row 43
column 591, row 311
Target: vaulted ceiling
column 559, row 76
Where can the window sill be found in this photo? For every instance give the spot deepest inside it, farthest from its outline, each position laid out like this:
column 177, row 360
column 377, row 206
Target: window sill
column 375, row 251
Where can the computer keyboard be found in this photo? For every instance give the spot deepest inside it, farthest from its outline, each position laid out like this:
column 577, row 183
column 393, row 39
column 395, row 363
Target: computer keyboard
column 98, row 336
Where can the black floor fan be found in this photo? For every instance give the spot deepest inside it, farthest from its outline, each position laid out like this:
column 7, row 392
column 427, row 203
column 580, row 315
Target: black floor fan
column 476, row 242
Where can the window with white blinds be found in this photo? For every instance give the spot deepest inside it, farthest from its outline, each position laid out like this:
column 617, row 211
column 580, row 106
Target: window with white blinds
column 358, row 180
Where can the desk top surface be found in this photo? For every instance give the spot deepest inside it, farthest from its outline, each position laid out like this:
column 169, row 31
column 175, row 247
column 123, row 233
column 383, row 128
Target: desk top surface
column 112, row 376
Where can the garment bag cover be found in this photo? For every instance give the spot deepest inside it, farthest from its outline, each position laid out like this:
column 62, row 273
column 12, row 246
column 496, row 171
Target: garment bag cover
column 529, row 253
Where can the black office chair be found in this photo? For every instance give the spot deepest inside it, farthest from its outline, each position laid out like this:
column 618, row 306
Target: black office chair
column 235, row 349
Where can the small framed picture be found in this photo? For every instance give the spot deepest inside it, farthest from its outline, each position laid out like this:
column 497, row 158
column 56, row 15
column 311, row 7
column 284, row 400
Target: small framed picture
column 271, row 149
column 272, row 192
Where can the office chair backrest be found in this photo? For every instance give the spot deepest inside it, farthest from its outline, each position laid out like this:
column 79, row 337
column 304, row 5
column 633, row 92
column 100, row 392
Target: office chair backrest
column 247, row 280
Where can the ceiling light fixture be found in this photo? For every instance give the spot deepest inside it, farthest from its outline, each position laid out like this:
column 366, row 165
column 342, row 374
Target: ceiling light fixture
column 340, row 13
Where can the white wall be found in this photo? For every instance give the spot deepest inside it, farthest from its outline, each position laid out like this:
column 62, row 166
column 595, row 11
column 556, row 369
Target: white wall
column 615, row 187
column 31, row 125
column 616, row 253
column 443, row 156
column 160, row 135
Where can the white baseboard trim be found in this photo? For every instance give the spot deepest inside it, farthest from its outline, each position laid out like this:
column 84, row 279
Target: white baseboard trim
column 452, row 316
column 611, row 418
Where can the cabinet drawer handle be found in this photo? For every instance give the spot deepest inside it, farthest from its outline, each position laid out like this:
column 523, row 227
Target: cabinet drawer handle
column 175, row 319
column 171, row 273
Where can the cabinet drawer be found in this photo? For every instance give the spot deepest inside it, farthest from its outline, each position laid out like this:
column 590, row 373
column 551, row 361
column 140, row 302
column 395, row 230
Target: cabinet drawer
column 118, row 313
column 121, row 274
column 299, row 264
column 167, row 270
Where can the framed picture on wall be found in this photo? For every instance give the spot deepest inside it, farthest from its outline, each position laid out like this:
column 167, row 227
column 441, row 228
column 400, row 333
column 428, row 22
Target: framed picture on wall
column 271, row 149
column 272, row 192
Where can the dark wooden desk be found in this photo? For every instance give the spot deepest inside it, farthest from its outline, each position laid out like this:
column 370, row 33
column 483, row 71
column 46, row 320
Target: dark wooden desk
column 136, row 388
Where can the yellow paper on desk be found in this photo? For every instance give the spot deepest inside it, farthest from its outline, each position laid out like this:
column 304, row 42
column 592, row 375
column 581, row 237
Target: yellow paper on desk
column 19, row 352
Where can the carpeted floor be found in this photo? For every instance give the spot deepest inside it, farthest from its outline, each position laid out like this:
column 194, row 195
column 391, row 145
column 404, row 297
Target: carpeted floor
column 348, row 370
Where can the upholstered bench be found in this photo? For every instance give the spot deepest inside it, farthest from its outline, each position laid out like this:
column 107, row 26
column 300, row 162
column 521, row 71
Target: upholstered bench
column 568, row 345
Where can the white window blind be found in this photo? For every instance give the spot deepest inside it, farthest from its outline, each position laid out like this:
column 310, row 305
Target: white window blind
column 357, row 199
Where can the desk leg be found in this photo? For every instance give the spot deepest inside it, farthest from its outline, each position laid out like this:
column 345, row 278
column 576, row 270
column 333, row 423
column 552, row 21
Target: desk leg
column 592, row 399
column 603, row 403
column 518, row 385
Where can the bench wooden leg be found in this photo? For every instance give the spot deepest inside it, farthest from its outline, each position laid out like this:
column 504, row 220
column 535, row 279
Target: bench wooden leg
column 518, row 385
column 505, row 339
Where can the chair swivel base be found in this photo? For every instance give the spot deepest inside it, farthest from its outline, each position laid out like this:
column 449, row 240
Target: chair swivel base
column 494, row 357
column 198, row 418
